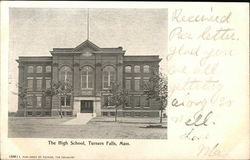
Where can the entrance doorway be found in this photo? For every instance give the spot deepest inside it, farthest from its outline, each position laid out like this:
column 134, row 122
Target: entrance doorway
column 86, row 106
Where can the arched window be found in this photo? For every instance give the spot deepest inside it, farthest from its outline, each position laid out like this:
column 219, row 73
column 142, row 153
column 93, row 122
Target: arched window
column 137, row 69
column 87, row 77
column 128, row 69
column 30, row 69
column 146, row 69
column 48, row 69
column 39, row 69
column 108, row 76
column 65, row 74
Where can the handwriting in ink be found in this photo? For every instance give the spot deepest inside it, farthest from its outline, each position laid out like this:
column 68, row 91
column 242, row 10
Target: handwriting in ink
column 178, row 33
column 179, row 17
column 210, row 151
column 175, row 103
column 218, row 34
column 191, row 135
column 198, row 119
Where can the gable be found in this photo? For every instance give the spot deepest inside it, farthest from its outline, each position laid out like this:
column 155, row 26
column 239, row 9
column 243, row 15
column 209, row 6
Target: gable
column 86, row 45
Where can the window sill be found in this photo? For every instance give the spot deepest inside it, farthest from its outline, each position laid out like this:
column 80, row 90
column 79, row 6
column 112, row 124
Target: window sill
column 106, row 89
column 128, row 107
column 66, row 106
column 87, row 89
column 146, row 107
column 110, row 107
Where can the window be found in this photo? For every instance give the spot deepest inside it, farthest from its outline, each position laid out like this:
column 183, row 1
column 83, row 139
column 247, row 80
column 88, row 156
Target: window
column 29, row 113
column 128, row 83
column 39, row 101
column 68, row 101
column 87, row 77
column 128, row 103
column 144, row 101
column 146, row 114
column 106, row 100
column 30, row 83
column 105, row 113
column 145, row 83
column 48, row 101
column 38, row 83
column 65, row 74
column 127, row 114
column 105, row 79
column 61, row 113
column 47, row 113
column 137, row 83
column 69, row 113
column 65, row 101
column 146, row 69
column 39, row 69
column 137, row 69
column 38, row 113
column 48, row 82
column 137, row 114
column 48, row 69
column 29, row 101
column 137, row 101
column 108, row 76
column 128, row 69
column 30, row 69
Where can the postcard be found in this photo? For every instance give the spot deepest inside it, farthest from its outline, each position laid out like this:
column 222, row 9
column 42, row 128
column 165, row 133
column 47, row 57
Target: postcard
column 124, row 80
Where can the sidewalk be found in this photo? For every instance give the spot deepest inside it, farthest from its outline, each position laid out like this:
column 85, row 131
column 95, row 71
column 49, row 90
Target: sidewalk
column 79, row 120
column 132, row 120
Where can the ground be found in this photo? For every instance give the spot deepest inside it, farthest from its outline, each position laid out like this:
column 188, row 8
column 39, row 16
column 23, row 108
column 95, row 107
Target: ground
column 98, row 128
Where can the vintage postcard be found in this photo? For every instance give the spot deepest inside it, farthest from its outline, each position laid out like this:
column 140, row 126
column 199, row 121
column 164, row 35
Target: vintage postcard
column 124, row 80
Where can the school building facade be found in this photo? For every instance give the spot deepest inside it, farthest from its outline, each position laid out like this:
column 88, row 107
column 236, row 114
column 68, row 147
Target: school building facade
column 91, row 70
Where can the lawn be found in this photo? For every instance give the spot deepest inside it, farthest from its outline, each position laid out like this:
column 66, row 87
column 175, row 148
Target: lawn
column 98, row 127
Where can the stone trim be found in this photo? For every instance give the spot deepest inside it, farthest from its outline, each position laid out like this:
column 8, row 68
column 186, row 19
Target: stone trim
column 76, row 65
column 119, row 64
column 55, row 64
column 98, row 64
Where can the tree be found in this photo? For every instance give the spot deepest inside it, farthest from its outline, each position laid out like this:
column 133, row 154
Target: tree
column 118, row 96
column 22, row 95
column 60, row 90
column 157, row 89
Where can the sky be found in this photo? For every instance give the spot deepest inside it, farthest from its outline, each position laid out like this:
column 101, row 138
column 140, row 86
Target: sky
column 36, row 31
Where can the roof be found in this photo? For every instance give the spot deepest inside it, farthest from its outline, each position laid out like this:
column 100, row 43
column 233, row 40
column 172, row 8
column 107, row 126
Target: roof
column 34, row 59
column 142, row 58
column 86, row 44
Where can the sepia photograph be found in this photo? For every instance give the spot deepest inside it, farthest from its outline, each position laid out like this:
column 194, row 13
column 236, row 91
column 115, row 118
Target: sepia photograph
column 124, row 80
column 87, row 73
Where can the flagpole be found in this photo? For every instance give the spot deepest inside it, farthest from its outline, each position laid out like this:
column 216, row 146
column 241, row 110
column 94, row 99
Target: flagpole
column 88, row 25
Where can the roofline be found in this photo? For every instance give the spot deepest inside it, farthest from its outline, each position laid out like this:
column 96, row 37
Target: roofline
column 35, row 57
column 157, row 60
column 62, row 48
column 64, row 53
column 95, row 52
column 141, row 56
